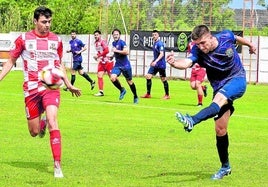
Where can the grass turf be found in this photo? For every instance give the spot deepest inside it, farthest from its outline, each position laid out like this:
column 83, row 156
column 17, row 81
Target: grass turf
column 107, row 142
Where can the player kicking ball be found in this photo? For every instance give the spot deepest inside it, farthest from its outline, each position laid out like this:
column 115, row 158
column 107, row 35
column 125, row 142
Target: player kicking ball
column 227, row 77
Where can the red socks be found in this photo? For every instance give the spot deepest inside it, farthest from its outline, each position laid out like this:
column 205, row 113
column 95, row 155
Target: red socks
column 200, row 99
column 100, row 83
column 55, row 144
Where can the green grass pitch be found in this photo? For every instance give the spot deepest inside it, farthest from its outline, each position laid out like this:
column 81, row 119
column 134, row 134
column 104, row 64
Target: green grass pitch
column 107, row 142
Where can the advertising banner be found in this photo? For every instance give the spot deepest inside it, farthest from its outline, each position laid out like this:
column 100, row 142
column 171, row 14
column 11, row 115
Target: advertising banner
column 173, row 40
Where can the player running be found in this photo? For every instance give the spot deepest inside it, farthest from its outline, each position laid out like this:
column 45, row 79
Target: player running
column 38, row 49
column 122, row 65
column 77, row 47
column 105, row 64
column 158, row 64
column 197, row 77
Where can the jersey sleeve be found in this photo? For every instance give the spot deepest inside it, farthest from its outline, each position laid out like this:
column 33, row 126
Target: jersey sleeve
column 123, row 44
column 81, row 43
column 104, row 44
column 105, row 49
column 60, row 49
column 193, row 54
column 161, row 46
column 17, row 47
column 227, row 34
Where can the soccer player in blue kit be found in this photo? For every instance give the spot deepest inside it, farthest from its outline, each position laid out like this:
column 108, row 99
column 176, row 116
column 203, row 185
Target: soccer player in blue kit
column 76, row 48
column 158, row 65
column 122, row 65
column 227, row 76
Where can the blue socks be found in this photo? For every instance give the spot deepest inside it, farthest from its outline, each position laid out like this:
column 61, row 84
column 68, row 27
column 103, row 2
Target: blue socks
column 208, row 112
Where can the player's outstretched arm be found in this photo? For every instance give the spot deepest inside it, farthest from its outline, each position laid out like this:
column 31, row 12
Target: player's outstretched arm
column 179, row 63
column 242, row 41
column 75, row 91
column 7, row 66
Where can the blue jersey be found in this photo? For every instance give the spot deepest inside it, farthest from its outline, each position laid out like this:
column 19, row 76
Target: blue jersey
column 120, row 60
column 223, row 63
column 157, row 48
column 76, row 45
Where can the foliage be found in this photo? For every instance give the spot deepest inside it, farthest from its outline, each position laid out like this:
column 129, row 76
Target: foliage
column 76, row 15
column 262, row 3
column 86, row 16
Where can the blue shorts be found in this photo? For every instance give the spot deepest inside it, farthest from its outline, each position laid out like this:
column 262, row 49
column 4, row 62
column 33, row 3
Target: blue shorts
column 153, row 71
column 127, row 73
column 234, row 88
column 77, row 65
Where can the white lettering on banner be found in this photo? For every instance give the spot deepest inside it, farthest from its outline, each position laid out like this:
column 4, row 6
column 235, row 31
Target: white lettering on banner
column 5, row 44
column 148, row 41
column 168, row 41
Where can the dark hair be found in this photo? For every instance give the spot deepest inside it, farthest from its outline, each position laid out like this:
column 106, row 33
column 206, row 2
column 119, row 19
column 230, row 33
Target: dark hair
column 42, row 11
column 199, row 31
column 155, row 31
column 117, row 31
column 73, row 31
column 97, row 31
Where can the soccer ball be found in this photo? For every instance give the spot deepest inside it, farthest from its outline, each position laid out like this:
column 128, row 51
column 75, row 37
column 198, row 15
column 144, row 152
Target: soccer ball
column 52, row 78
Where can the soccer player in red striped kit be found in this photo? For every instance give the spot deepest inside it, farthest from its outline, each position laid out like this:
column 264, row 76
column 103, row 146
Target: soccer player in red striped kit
column 197, row 77
column 105, row 64
column 40, row 48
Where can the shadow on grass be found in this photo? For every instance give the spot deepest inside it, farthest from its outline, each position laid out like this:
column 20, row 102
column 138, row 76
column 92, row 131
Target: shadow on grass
column 185, row 176
column 185, row 104
column 39, row 166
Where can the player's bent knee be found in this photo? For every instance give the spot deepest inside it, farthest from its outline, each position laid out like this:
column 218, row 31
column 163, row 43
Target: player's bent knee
column 148, row 76
column 113, row 78
column 220, row 131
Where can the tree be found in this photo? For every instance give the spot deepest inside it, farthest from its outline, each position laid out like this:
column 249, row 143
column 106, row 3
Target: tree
column 261, row 3
column 78, row 15
column 86, row 16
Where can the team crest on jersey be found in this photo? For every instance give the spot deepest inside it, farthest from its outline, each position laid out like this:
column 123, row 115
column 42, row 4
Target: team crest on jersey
column 53, row 47
column 30, row 46
column 229, row 52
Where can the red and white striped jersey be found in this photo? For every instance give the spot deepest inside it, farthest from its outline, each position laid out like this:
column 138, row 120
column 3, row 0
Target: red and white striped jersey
column 196, row 66
column 36, row 52
column 102, row 50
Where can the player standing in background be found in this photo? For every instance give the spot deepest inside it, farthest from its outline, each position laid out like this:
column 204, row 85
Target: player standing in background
column 38, row 49
column 104, row 62
column 157, row 65
column 122, row 65
column 77, row 47
column 227, row 76
column 198, row 75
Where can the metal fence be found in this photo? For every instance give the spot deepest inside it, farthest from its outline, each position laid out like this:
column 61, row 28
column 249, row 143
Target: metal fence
column 172, row 15
column 255, row 65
